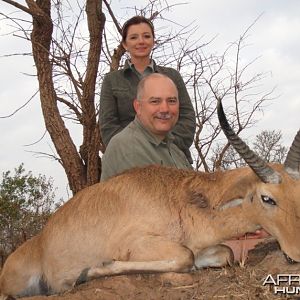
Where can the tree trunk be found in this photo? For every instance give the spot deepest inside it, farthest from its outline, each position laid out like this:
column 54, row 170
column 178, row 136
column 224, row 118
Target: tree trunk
column 91, row 133
column 81, row 170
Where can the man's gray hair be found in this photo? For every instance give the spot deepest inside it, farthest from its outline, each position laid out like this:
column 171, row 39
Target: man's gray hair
column 141, row 85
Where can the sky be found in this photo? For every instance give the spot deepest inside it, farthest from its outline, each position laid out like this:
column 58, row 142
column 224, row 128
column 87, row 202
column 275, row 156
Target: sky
column 274, row 38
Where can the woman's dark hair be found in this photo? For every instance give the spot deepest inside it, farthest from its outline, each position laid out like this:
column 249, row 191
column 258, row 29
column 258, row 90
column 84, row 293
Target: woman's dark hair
column 134, row 21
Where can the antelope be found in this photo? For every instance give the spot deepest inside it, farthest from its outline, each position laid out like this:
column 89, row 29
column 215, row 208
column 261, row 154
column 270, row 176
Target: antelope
column 159, row 219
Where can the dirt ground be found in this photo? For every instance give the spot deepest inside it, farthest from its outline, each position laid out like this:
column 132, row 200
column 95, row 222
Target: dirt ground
column 241, row 281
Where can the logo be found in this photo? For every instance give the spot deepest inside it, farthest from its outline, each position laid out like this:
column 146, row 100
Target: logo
column 284, row 284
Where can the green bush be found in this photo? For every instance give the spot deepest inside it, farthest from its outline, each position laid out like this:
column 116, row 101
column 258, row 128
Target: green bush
column 26, row 202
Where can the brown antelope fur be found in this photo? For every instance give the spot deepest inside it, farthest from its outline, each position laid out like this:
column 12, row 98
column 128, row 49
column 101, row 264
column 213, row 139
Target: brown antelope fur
column 152, row 219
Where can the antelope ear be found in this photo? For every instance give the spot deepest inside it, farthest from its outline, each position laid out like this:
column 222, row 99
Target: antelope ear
column 231, row 203
column 294, row 174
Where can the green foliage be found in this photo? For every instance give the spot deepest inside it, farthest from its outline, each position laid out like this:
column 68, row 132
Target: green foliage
column 26, row 202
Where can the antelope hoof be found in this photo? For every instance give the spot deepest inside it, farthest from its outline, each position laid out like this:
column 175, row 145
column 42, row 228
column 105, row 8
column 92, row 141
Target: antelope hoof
column 82, row 277
column 215, row 256
column 289, row 260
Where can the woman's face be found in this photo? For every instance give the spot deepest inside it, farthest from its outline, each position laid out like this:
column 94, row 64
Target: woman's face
column 139, row 40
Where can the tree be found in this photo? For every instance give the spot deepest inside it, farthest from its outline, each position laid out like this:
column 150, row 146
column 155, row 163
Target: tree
column 82, row 168
column 26, row 202
column 70, row 67
column 225, row 77
column 267, row 144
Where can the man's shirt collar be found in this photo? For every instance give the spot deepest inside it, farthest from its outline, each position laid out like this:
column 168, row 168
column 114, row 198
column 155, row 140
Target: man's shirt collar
column 148, row 70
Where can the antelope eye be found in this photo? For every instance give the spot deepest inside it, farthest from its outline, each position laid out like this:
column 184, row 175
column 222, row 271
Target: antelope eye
column 268, row 200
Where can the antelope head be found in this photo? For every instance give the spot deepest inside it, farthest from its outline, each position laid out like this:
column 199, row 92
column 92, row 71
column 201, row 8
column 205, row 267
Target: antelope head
column 274, row 201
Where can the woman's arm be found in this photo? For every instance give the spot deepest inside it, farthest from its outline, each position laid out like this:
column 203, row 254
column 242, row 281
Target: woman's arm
column 108, row 116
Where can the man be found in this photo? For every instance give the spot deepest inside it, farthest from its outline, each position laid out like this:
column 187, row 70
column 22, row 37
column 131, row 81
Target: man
column 147, row 140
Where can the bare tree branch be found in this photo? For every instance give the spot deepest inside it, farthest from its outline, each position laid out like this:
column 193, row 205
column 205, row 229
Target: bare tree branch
column 19, row 6
column 20, row 107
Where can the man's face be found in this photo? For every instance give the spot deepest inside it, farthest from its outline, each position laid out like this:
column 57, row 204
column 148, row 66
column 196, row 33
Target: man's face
column 158, row 108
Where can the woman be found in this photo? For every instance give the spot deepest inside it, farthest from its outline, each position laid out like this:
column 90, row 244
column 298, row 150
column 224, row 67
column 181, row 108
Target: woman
column 119, row 87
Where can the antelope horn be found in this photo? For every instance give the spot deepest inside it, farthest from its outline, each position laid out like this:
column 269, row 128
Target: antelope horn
column 292, row 161
column 258, row 165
